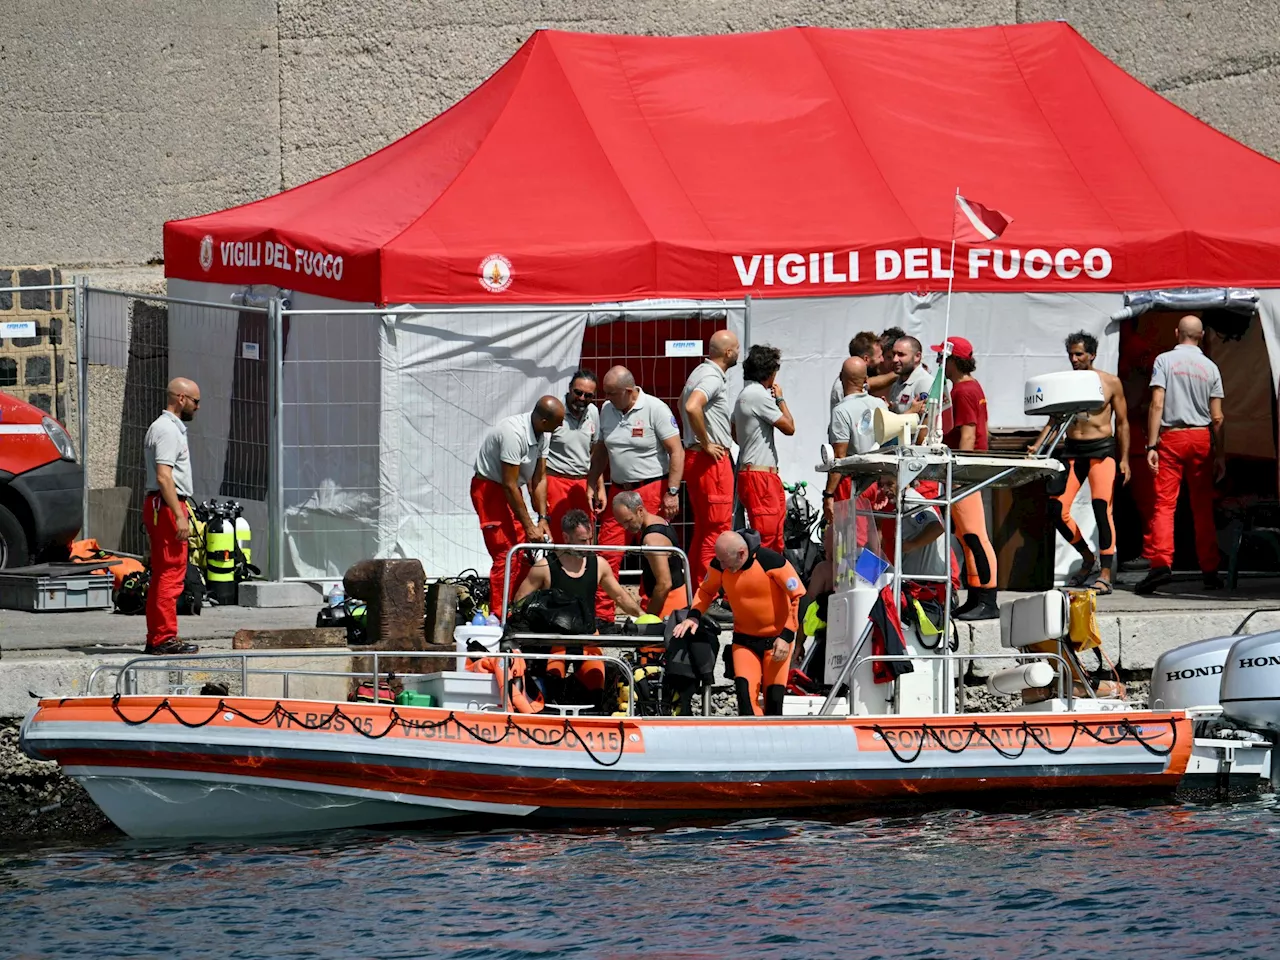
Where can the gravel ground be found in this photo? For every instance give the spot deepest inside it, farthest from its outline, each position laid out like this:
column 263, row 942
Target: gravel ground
column 37, row 802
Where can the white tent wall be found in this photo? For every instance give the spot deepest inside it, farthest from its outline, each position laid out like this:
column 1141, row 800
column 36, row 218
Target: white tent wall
column 383, row 410
column 1015, row 336
column 448, row 376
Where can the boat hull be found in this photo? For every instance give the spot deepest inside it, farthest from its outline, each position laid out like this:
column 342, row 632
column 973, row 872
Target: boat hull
column 197, row 766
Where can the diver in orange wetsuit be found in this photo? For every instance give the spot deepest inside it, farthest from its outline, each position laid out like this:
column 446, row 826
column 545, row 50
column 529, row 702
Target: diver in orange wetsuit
column 764, row 591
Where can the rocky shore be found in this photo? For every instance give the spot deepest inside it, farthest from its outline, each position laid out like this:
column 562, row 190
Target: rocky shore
column 37, row 802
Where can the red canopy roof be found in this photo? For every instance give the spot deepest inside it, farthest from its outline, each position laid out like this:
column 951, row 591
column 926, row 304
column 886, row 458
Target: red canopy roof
column 797, row 162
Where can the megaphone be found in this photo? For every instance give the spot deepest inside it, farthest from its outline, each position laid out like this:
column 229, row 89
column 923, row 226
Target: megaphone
column 889, row 426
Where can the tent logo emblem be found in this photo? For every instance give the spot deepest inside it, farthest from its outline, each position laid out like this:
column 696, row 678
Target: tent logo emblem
column 495, row 273
column 206, row 252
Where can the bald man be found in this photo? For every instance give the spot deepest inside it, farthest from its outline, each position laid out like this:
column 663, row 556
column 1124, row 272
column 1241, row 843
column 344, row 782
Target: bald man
column 513, row 454
column 850, row 431
column 639, row 446
column 166, row 514
column 764, row 591
column 1184, row 431
column 708, row 471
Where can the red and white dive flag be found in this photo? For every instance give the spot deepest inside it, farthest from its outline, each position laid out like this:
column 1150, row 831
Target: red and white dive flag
column 976, row 223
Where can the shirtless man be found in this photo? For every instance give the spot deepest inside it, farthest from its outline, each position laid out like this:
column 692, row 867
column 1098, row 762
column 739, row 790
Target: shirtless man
column 1095, row 449
column 567, row 569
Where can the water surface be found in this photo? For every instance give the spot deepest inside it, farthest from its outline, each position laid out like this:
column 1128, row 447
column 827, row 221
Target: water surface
column 1161, row 881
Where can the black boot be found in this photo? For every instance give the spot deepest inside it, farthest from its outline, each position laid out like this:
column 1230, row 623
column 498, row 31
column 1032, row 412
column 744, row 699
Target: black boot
column 1156, row 577
column 984, row 608
column 970, row 601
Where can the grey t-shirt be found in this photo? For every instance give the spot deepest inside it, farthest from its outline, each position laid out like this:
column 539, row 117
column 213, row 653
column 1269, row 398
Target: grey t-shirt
column 853, row 422
column 708, row 378
column 931, row 559
column 166, row 442
column 634, row 439
column 1190, row 380
column 754, row 415
column 837, row 393
column 905, row 392
column 511, row 441
column 569, row 453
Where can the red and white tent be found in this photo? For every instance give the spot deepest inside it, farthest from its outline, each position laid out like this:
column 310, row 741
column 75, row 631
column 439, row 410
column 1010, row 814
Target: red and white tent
column 595, row 167
column 812, row 169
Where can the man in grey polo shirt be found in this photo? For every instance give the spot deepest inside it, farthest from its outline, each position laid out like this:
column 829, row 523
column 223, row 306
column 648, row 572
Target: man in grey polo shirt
column 910, row 391
column 850, row 430
column 513, row 454
column 708, row 470
column 569, row 452
column 760, row 411
column 639, row 446
column 165, row 514
column 1184, row 430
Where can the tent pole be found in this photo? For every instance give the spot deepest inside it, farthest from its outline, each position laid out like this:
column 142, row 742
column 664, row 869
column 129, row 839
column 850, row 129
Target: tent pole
column 275, row 461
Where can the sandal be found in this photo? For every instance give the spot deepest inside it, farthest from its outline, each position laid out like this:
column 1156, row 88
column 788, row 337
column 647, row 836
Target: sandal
column 1085, row 575
column 1102, row 588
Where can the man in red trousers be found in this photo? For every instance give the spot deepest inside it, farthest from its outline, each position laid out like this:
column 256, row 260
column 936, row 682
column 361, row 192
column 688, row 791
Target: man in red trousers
column 166, row 516
column 513, row 454
column 708, row 470
column 569, row 453
column 639, row 447
column 1184, row 440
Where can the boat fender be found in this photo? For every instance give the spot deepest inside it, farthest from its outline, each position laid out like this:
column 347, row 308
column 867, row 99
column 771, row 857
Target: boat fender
column 1014, row 680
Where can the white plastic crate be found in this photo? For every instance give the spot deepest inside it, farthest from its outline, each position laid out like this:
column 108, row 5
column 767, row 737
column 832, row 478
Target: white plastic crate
column 86, row 592
column 458, row 690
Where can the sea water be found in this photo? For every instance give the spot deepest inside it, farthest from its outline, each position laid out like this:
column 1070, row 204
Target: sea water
column 1166, row 881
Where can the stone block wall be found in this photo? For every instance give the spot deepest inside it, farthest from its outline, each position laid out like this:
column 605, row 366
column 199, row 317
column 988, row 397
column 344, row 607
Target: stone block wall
column 40, row 369
column 164, row 110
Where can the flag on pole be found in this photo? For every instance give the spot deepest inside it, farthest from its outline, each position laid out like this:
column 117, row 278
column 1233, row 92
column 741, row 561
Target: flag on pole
column 975, row 223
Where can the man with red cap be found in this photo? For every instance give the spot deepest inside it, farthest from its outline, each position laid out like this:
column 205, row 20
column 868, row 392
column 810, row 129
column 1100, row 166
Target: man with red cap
column 965, row 428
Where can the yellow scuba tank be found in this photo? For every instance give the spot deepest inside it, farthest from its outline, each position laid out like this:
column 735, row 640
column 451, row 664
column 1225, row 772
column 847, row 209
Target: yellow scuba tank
column 220, row 556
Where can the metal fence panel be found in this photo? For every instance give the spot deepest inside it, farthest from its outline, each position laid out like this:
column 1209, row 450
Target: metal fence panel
column 144, row 341
column 331, row 449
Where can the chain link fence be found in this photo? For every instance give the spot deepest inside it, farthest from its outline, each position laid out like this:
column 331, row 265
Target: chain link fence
column 135, row 344
column 376, row 414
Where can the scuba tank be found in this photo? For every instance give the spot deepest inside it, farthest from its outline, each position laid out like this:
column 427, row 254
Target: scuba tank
column 244, row 541
column 220, row 553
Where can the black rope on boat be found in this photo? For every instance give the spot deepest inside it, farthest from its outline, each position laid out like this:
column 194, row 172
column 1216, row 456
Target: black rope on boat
column 926, row 732
column 279, row 712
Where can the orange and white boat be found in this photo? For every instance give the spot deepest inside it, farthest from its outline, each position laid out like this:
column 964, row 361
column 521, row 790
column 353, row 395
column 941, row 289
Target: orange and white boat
column 161, row 761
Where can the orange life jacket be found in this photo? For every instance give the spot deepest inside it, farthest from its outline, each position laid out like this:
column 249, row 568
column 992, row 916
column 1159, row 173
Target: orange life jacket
column 516, row 692
column 87, row 551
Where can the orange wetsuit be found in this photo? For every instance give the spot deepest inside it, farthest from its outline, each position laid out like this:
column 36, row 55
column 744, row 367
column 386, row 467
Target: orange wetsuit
column 765, row 597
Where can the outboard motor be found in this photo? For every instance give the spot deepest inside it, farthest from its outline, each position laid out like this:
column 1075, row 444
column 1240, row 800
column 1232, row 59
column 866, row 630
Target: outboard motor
column 1190, row 675
column 1232, row 751
column 1251, row 682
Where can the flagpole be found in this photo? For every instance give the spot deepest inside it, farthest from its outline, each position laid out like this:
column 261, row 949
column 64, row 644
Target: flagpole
column 935, row 422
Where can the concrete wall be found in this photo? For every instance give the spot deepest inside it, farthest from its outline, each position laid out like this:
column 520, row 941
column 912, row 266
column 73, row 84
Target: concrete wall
column 124, row 113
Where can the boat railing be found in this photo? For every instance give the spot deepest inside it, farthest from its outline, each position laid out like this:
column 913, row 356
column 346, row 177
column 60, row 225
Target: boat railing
column 689, row 585
column 1065, row 692
column 181, row 664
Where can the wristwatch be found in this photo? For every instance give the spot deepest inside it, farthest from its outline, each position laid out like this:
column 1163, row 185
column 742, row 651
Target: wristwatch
column 826, row 495
column 1152, row 446
column 673, row 491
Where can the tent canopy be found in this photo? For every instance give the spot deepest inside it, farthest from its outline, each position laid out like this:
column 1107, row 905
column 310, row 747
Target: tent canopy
column 797, row 162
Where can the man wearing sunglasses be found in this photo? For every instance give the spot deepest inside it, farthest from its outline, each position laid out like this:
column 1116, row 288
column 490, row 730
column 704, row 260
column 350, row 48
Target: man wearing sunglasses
column 569, row 453
column 165, row 514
